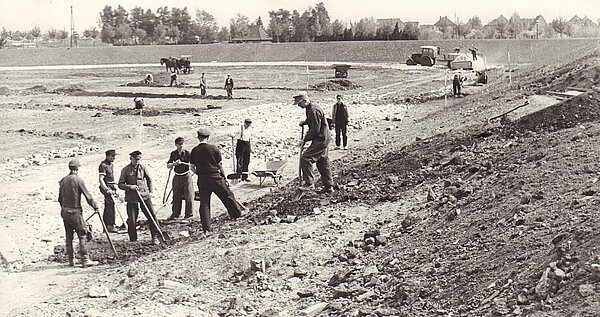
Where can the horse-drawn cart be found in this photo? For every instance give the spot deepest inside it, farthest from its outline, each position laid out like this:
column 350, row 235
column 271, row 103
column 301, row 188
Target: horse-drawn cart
column 341, row 70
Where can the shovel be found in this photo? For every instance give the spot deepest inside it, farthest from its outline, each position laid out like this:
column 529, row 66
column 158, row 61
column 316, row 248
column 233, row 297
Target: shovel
column 112, row 246
column 161, row 235
column 299, row 192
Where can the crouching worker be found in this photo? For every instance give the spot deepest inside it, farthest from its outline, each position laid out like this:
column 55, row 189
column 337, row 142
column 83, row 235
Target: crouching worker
column 136, row 183
column 69, row 196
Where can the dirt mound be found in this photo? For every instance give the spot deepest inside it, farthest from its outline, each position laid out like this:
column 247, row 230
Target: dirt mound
column 73, row 90
column 37, row 88
column 5, row 90
column 335, row 84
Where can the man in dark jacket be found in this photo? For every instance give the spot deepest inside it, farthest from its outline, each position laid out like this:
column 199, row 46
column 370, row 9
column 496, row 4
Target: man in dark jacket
column 456, row 85
column 183, row 188
column 136, row 182
column 339, row 116
column 206, row 162
column 229, row 86
column 71, row 187
column 317, row 152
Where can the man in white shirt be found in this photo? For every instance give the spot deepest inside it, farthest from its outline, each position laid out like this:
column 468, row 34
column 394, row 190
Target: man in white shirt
column 242, row 149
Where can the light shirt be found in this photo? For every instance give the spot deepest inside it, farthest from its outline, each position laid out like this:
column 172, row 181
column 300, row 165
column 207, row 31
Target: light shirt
column 245, row 134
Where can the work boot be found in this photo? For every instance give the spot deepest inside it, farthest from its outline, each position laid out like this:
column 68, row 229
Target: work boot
column 87, row 262
column 171, row 218
column 112, row 229
column 71, row 262
column 326, row 190
column 155, row 241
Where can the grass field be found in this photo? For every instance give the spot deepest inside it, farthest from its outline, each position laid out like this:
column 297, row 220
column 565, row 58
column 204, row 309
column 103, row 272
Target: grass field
column 495, row 51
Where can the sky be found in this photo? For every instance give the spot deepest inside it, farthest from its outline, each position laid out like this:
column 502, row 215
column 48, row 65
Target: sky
column 45, row 14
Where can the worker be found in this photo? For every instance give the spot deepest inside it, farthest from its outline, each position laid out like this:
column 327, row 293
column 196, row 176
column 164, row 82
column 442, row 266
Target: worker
column 148, row 80
column 229, row 86
column 456, row 85
column 242, row 149
column 473, row 50
column 183, row 188
column 136, row 182
column 339, row 116
column 173, row 79
column 317, row 152
column 69, row 196
column 108, row 189
column 202, row 85
column 139, row 103
column 206, row 161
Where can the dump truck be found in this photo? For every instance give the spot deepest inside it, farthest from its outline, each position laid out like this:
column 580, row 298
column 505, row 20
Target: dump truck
column 427, row 56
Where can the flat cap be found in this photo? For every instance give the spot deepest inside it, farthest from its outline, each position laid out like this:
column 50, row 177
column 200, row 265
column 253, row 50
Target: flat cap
column 111, row 152
column 74, row 164
column 179, row 140
column 248, row 120
column 203, row 132
column 301, row 96
column 135, row 153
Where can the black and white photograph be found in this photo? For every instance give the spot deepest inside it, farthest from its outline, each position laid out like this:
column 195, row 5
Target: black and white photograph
column 299, row 158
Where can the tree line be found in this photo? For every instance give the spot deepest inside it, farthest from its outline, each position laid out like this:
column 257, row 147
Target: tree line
column 167, row 25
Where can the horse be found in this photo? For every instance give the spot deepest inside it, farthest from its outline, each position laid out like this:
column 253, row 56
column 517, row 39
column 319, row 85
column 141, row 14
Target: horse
column 184, row 65
column 170, row 64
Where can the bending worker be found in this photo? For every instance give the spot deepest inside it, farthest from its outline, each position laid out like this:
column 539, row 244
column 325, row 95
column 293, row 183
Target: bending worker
column 319, row 136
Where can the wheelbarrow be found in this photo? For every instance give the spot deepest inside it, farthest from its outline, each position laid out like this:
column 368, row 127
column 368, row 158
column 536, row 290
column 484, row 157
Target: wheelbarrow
column 341, row 70
column 272, row 169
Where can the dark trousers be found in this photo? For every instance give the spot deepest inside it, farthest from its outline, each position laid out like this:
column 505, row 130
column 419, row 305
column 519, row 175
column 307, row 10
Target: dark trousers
column 229, row 91
column 317, row 152
column 183, row 189
column 109, row 209
column 73, row 221
column 340, row 131
column 456, row 88
column 203, row 90
column 242, row 155
column 215, row 183
column 133, row 211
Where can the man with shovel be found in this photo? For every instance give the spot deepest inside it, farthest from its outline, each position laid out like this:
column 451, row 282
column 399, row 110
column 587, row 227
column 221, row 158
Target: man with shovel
column 319, row 136
column 69, row 197
column 183, row 188
column 108, row 189
column 206, row 161
column 137, row 185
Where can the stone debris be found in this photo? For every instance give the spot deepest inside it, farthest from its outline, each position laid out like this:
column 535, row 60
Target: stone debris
column 98, row 291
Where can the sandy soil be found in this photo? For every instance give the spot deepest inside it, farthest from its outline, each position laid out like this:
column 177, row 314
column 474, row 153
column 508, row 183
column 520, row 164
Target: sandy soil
column 442, row 221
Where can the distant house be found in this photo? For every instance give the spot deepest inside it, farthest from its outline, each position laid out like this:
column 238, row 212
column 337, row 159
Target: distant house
column 581, row 22
column 391, row 22
column 532, row 27
column 256, row 34
column 501, row 20
column 444, row 24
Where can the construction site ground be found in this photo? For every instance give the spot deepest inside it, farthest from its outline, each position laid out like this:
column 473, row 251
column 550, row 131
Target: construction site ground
column 437, row 209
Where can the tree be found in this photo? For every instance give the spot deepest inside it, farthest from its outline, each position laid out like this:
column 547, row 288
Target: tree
column 280, row 25
column 365, row 29
column 462, row 29
column 396, row 32
column 2, row 41
column 223, row 34
column 207, row 27
column 300, row 27
column 560, row 26
column 337, row 29
column 475, row 23
column 501, row 29
column 515, row 26
column 318, row 23
column 239, row 26
column 107, row 34
column 63, row 34
column 410, row 32
column 92, row 33
column 384, row 30
column 259, row 22
column 35, row 32
column 122, row 33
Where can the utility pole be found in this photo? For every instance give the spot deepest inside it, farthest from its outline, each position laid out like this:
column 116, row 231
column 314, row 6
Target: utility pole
column 72, row 26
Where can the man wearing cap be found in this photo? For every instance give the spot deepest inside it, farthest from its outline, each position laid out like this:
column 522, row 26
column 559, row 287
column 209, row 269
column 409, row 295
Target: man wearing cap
column 339, row 116
column 317, row 152
column 229, row 86
column 202, row 85
column 71, row 187
column 242, row 149
column 108, row 189
column 173, row 79
column 206, row 161
column 135, row 179
column 183, row 187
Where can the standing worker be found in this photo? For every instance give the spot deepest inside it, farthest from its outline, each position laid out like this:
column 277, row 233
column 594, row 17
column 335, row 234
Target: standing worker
column 135, row 179
column 339, row 116
column 317, row 152
column 242, row 150
column 202, row 85
column 108, row 189
column 473, row 50
column 69, row 196
column 206, row 162
column 183, row 188
column 229, row 86
column 456, row 85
